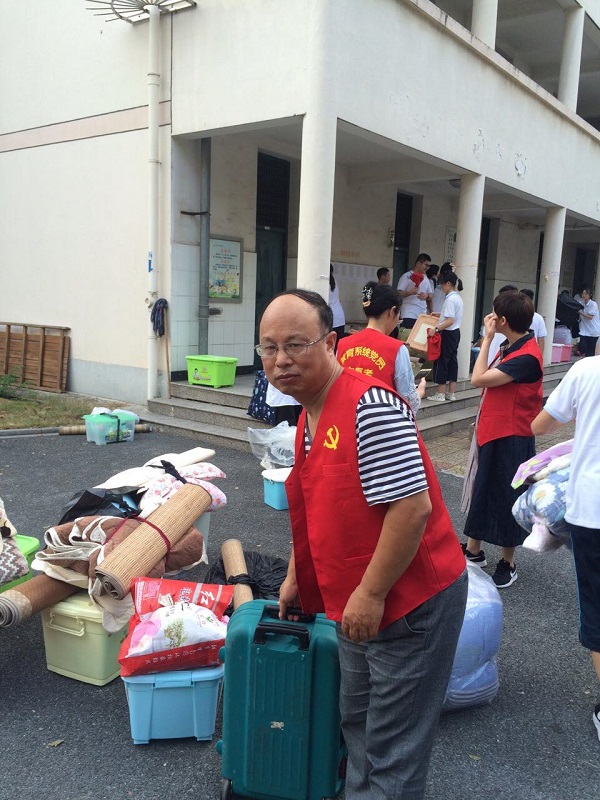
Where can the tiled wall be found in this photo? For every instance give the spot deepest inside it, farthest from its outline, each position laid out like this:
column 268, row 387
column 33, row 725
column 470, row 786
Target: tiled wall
column 229, row 334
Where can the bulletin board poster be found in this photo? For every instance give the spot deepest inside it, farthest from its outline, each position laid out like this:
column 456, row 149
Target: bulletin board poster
column 225, row 270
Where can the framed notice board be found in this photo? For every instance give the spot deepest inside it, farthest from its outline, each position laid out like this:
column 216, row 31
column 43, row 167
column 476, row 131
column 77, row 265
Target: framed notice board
column 225, row 269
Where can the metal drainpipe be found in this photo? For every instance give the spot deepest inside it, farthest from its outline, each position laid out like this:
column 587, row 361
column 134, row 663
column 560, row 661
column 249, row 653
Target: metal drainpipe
column 203, row 308
column 154, row 165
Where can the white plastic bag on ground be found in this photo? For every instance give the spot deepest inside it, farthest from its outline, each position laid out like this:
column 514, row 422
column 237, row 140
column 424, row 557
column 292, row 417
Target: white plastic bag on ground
column 273, row 446
column 474, row 678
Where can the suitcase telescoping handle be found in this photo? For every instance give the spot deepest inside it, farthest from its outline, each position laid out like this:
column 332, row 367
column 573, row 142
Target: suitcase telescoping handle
column 282, row 629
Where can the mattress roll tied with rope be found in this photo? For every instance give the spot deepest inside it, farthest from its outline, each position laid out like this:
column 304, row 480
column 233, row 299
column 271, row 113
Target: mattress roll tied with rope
column 152, row 540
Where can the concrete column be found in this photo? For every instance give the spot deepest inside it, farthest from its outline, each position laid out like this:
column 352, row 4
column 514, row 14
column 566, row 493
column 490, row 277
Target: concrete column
column 554, row 232
column 570, row 63
column 468, row 234
column 484, row 16
column 317, row 171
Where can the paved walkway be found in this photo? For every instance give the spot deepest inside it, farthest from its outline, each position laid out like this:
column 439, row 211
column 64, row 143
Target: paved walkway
column 449, row 453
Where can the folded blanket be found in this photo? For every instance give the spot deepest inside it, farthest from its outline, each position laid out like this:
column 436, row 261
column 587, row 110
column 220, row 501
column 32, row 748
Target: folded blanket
column 82, row 545
column 528, row 470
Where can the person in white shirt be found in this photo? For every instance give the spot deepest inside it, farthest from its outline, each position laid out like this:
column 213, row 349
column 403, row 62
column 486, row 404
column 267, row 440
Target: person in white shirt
column 576, row 397
column 339, row 318
column 416, row 290
column 446, row 367
column 589, row 324
column 538, row 326
column 285, row 408
column 384, row 276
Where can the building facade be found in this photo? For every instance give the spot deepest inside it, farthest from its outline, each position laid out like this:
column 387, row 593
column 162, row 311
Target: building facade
column 268, row 139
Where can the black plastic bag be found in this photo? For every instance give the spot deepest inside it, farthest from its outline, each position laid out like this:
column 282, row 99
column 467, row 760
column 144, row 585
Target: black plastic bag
column 567, row 309
column 98, row 502
column 265, row 574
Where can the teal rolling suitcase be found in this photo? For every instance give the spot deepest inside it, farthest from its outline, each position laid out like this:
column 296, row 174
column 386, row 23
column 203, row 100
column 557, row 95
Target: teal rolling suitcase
column 281, row 722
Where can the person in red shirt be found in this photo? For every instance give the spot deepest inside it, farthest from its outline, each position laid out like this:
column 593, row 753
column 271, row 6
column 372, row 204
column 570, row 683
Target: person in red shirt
column 510, row 401
column 374, row 352
column 373, row 547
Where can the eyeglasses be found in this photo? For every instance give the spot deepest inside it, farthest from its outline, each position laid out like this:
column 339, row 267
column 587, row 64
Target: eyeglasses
column 292, row 349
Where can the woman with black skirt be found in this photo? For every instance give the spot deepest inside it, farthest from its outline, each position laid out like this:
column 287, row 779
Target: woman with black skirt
column 510, row 401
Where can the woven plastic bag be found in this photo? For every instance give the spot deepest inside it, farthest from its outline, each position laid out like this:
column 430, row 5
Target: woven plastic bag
column 176, row 625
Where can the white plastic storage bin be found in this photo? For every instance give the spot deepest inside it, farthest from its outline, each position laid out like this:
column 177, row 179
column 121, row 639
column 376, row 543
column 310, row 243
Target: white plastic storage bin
column 76, row 643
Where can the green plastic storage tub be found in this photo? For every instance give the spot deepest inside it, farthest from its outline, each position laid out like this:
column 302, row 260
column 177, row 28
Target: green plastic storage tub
column 215, row 371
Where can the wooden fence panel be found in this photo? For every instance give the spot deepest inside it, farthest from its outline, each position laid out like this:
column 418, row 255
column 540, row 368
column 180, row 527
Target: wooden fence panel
column 36, row 354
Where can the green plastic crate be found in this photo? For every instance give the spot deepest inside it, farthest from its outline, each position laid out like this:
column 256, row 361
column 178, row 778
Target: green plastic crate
column 28, row 545
column 215, row 371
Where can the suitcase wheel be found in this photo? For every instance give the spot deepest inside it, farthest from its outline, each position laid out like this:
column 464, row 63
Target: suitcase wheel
column 226, row 789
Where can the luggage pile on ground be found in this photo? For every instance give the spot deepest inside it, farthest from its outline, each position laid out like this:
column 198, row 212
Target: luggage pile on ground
column 140, row 522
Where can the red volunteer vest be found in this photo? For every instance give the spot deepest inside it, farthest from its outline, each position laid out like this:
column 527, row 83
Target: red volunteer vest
column 335, row 532
column 372, row 353
column 510, row 409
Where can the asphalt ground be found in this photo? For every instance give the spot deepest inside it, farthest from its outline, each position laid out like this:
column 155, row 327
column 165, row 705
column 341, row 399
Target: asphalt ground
column 535, row 741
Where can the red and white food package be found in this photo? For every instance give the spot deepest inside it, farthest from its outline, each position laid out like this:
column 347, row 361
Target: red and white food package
column 176, row 625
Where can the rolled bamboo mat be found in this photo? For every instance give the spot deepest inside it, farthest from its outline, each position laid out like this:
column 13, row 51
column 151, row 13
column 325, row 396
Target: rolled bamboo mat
column 145, row 547
column 31, row 597
column 70, row 430
column 234, row 563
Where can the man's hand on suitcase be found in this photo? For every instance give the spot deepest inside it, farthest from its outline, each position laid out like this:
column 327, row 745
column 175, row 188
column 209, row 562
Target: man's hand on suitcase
column 288, row 596
column 362, row 615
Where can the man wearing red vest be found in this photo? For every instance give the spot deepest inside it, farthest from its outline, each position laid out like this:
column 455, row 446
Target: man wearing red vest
column 373, row 547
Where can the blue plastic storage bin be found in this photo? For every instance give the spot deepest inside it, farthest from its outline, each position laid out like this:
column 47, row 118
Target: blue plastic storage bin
column 274, row 486
column 174, row 705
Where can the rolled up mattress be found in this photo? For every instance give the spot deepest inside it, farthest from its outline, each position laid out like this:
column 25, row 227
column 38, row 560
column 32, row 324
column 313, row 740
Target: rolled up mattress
column 31, row 597
column 152, row 540
column 234, row 563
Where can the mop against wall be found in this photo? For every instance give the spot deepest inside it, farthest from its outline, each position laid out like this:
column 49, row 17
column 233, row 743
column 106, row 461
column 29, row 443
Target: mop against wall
column 158, row 317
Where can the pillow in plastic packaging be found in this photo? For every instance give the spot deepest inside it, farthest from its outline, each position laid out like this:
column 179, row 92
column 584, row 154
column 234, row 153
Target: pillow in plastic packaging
column 474, row 678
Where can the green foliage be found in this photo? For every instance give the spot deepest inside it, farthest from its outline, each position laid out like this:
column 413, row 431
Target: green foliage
column 11, row 386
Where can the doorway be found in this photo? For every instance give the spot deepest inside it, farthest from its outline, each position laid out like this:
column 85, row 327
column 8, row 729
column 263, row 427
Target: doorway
column 402, row 229
column 272, row 203
column 585, row 269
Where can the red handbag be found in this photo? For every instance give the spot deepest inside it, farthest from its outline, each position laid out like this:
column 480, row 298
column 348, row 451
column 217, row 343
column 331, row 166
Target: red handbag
column 434, row 346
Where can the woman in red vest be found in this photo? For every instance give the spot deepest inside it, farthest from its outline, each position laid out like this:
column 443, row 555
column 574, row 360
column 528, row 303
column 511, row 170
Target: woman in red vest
column 374, row 352
column 510, row 401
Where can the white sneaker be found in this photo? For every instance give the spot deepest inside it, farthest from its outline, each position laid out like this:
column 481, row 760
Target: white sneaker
column 596, row 719
column 450, row 396
column 437, row 398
